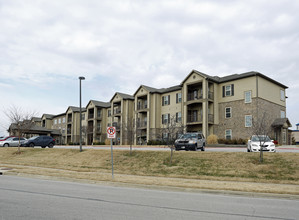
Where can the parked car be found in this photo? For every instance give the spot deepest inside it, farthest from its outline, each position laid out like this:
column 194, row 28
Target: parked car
column 190, row 141
column 42, row 141
column 5, row 138
column 256, row 141
column 12, row 142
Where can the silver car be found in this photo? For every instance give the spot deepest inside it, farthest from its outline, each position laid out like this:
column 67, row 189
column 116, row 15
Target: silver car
column 12, row 142
column 190, row 141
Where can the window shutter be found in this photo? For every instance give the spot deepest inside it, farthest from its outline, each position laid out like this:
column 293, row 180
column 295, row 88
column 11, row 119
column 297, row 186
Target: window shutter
column 223, row 91
column 232, row 87
column 162, row 119
column 162, row 100
column 176, row 97
column 168, row 99
column 176, row 117
column 168, row 118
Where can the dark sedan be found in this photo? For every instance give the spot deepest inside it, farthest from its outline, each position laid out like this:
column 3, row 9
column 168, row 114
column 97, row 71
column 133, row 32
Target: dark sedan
column 42, row 141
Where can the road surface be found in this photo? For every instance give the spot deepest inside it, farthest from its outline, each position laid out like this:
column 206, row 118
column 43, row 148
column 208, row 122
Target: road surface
column 26, row 198
column 282, row 149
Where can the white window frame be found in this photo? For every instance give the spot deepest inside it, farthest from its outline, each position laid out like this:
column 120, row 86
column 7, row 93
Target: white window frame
column 166, row 100
column 179, row 117
column 63, row 120
column 55, row 121
column 248, row 121
column 230, row 112
column 282, row 114
column 247, row 96
column 282, row 95
column 179, row 97
column 228, row 90
column 230, row 134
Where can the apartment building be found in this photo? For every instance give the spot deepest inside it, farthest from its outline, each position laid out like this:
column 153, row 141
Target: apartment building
column 73, row 124
column 97, row 120
column 225, row 106
column 122, row 111
column 59, row 124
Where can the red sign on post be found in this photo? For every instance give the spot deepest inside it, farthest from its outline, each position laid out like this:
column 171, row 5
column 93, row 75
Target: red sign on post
column 111, row 132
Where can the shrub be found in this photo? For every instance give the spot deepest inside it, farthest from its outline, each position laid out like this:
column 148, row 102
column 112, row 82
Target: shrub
column 212, row 139
column 235, row 141
column 98, row 143
column 156, row 142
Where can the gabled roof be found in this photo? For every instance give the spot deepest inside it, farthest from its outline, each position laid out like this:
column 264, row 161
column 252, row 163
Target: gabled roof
column 232, row 77
column 36, row 119
column 123, row 96
column 75, row 109
column 280, row 122
column 48, row 116
column 99, row 103
column 160, row 91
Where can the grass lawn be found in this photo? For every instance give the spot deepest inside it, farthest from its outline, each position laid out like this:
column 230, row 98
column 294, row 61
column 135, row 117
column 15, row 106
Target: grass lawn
column 278, row 168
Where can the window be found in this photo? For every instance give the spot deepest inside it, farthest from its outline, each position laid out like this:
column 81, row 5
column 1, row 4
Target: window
column 247, row 97
column 178, row 97
column 109, row 113
column 165, row 118
column 63, row 120
column 59, row 121
column 166, row 100
column 165, row 136
column 228, row 134
column 55, row 121
column 282, row 114
column 178, row 116
column 228, row 90
column 228, row 112
column 282, row 95
column 248, row 121
column 83, row 116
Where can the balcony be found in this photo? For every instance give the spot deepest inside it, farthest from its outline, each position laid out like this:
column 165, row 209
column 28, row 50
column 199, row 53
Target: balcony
column 193, row 96
column 211, row 95
column 194, row 118
column 117, row 111
column 116, row 125
column 141, row 124
column 211, row 118
column 90, row 116
column 141, row 107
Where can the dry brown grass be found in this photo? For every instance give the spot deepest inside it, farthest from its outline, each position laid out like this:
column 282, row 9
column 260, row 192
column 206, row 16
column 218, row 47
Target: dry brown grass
column 207, row 170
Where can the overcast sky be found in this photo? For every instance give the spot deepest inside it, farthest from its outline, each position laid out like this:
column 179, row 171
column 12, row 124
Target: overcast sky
column 119, row 45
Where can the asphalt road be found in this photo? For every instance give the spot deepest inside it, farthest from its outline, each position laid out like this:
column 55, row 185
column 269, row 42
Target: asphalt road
column 25, row 198
column 282, row 149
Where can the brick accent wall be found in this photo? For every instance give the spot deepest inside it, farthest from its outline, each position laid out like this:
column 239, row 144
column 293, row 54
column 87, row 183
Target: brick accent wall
column 239, row 109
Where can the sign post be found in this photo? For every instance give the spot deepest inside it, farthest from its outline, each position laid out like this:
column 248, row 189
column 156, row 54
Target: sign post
column 111, row 135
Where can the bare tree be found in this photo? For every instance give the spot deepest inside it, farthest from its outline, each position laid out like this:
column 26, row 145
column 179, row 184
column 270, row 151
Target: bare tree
column 130, row 130
column 170, row 131
column 261, row 127
column 20, row 121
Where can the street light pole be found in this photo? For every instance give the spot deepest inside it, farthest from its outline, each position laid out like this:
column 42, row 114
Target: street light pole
column 80, row 78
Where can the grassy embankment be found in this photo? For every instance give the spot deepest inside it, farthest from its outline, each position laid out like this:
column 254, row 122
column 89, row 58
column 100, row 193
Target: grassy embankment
column 207, row 170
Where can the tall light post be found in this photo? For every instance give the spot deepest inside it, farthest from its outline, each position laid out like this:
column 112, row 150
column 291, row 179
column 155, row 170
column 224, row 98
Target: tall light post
column 80, row 79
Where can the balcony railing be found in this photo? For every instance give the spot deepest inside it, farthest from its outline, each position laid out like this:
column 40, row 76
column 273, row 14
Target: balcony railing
column 211, row 95
column 194, row 118
column 117, row 111
column 141, row 124
column 192, row 96
column 141, row 106
column 211, row 118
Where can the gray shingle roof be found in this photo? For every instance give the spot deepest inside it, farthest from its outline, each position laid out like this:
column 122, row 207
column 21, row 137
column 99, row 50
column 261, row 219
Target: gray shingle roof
column 163, row 90
column 101, row 104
